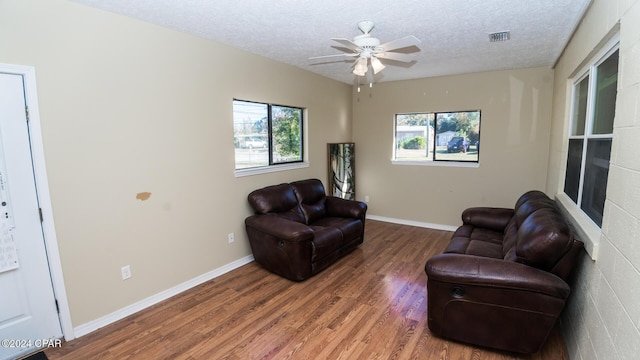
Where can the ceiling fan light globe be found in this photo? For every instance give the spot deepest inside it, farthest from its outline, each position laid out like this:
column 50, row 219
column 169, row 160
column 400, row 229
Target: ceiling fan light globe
column 376, row 64
column 360, row 71
column 360, row 67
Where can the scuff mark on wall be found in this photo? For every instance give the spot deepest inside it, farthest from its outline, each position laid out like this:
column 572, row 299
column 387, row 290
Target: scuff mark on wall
column 143, row 196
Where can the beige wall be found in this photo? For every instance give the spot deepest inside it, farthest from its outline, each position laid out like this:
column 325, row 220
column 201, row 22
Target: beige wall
column 515, row 123
column 602, row 318
column 129, row 107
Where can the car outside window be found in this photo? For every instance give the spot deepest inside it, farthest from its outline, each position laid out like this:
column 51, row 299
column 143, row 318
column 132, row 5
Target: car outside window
column 437, row 136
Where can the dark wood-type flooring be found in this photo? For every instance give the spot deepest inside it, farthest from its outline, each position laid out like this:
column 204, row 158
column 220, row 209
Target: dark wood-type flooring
column 371, row 304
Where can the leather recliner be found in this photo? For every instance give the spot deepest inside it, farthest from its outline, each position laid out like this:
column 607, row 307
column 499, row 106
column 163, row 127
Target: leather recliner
column 297, row 230
column 502, row 281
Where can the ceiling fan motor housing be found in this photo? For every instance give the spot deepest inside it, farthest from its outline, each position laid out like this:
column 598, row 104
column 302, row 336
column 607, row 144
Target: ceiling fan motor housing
column 366, row 41
column 368, row 51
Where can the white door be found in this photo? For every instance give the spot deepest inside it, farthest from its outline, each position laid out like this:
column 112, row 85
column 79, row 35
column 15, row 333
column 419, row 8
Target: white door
column 28, row 311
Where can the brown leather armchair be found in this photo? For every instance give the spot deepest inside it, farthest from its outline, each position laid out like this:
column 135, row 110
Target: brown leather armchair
column 502, row 282
column 297, row 231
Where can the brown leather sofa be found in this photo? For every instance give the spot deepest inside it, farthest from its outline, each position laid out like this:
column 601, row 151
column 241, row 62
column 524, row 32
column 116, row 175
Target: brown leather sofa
column 503, row 279
column 297, row 231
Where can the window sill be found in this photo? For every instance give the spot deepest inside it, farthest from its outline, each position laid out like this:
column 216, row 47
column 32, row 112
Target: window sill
column 587, row 231
column 270, row 169
column 437, row 163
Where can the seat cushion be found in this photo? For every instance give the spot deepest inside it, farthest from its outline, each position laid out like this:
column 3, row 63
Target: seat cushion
column 484, row 249
column 350, row 228
column 326, row 240
column 471, row 240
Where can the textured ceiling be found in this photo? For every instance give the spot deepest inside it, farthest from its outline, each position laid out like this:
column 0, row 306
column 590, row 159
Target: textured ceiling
column 454, row 33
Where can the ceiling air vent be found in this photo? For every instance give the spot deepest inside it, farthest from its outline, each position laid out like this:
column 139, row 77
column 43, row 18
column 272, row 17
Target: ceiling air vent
column 499, row 36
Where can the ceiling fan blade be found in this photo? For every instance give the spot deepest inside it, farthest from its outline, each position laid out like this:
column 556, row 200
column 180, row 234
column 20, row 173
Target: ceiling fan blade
column 396, row 56
column 348, row 43
column 329, row 56
column 400, row 43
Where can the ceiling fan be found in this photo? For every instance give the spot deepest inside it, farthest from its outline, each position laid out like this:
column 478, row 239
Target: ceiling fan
column 368, row 51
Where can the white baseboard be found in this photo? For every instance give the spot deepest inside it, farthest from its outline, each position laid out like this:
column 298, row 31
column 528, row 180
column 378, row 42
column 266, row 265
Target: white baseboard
column 413, row 223
column 94, row 325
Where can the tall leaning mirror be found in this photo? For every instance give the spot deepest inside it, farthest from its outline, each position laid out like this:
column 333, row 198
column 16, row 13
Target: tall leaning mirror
column 342, row 170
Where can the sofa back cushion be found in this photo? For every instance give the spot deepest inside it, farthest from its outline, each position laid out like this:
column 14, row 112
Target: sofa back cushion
column 543, row 239
column 537, row 235
column 311, row 196
column 525, row 210
column 278, row 200
column 526, row 205
column 530, row 195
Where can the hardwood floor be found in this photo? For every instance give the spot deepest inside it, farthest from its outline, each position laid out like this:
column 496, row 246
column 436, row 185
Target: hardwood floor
column 369, row 305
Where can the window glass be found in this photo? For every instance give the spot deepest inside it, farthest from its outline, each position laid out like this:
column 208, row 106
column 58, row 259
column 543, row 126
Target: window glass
column 414, row 135
column 574, row 166
column 266, row 134
column 442, row 136
column 589, row 149
column 251, row 134
column 595, row 178
column 580, row 94
column 287, row 134
column 457, row 136
column 606, row 95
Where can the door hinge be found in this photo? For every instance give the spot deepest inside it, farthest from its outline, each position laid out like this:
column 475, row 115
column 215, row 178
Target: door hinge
column 40, row 213
column 26, row 112
column 57, row 306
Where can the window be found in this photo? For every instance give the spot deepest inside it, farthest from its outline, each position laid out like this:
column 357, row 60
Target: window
column 440, row 136
column 591, row 133
column 266, row 134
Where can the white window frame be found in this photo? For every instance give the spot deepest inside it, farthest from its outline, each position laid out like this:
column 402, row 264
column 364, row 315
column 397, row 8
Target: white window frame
column 587, row 230
column 276, row 167
column 432, row 162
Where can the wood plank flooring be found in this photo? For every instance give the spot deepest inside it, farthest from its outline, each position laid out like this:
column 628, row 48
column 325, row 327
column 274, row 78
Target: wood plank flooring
column 369, row 305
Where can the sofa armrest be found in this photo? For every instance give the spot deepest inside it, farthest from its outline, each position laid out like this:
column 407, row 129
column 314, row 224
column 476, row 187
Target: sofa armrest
column 492, row 302
column 486, row 217
column 279, row 227
column 345, row 208
column 466, row 270
column 282, row 246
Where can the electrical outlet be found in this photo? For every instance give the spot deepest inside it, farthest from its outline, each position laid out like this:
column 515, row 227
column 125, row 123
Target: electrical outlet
column 231, row 238
column 366, row 198
column 126, row 272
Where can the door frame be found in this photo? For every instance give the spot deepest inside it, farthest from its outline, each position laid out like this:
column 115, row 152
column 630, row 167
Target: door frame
column 28, row 74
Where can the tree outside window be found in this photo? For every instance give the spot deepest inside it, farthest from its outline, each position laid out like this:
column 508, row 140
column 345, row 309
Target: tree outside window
column 266, row 134
column 439, row 136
